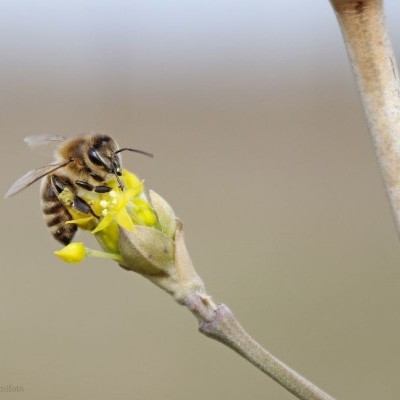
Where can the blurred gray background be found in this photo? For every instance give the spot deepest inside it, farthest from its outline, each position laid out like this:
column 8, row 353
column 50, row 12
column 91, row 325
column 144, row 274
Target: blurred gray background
column 262, row 149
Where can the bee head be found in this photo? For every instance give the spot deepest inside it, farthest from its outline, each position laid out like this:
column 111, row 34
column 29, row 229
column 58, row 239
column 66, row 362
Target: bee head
column 104, row 154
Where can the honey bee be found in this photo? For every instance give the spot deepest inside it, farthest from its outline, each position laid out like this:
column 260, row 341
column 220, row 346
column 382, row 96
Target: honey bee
column 82, row 163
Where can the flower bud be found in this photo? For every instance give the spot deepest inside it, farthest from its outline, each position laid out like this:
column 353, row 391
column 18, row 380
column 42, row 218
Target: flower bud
column 72, row 253
column 165, row 214
column 160, row 259
column 146, row 250
column 76, row 252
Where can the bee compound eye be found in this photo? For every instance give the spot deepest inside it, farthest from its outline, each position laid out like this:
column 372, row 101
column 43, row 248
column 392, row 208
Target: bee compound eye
column 94, row 157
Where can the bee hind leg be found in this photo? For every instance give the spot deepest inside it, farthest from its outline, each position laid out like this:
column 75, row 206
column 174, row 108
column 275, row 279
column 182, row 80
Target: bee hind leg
column 82, row 206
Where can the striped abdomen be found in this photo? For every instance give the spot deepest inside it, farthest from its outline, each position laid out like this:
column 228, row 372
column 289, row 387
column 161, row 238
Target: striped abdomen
column 56, row 214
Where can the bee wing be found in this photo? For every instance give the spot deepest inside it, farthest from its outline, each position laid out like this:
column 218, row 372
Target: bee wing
column 39, row 140
column 33, row 176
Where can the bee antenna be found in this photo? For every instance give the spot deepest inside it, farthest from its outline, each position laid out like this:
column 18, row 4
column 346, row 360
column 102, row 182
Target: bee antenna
column 136, row 151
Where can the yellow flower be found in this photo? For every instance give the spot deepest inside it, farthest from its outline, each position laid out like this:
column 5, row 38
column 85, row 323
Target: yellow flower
column 124, row 209
column 117, row 208
column 140, row 236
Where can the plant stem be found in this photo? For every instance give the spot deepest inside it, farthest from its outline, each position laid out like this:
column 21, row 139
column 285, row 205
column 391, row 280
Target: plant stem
column 364, row 31
column 103, row 254
column 219, row 323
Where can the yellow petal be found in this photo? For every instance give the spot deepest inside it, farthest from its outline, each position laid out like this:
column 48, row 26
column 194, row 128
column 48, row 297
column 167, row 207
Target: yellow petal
column 103, row 223
column 82, row 222
column 109, row 237
column 124, row 220
column 132, row 182
column 147, row 215
column 123, row 200
column 141, row 202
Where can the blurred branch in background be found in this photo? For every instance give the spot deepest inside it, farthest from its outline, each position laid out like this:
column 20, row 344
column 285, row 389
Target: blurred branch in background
column 371, row 55
column 368, row 45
